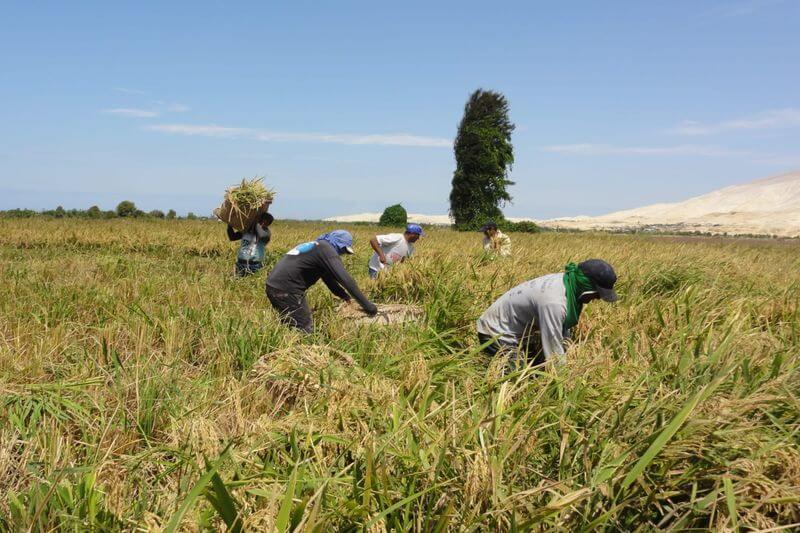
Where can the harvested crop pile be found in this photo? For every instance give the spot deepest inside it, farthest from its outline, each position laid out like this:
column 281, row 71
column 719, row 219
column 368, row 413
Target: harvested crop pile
column 387, row 314
column 297, row 373
column 244, row 202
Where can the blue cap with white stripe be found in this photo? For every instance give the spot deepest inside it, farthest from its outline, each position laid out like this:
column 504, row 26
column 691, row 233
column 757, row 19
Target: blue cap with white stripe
column 415, row 229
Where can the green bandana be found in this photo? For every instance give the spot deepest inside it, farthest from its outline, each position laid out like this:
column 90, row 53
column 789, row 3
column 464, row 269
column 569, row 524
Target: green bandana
column 576, row 284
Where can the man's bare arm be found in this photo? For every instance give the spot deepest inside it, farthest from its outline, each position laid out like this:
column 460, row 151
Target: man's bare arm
column 377, row 247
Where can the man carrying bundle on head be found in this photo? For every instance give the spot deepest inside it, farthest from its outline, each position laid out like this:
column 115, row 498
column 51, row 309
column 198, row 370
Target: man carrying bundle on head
column 302, row 267
column 392, row 248
column 534, row 318
column 254, row 241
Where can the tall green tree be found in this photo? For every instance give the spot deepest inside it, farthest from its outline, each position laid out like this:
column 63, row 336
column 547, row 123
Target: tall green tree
column 484, row 156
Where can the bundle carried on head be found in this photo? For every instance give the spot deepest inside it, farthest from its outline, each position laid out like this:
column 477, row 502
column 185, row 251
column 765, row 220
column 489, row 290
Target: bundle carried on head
column 243, row 203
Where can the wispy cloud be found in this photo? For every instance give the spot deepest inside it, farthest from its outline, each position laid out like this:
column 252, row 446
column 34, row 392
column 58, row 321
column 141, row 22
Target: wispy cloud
column 391, row 139
column 131, row 112
column 129, row 91
column 787, row 161
column 741, row 8
column 171, row 107
column 775, row 118
column 589, row 149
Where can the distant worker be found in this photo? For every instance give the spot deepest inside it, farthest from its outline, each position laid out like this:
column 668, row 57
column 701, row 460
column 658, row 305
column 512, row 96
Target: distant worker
column 495, row 242
column 302, row 267
column 392, row 248
column 534, row 318
column 250, row 257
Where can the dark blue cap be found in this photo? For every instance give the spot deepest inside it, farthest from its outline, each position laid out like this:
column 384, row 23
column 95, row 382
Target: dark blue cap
column 602, row 275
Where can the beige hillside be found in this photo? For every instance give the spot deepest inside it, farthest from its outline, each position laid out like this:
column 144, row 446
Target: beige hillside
column 769, row 206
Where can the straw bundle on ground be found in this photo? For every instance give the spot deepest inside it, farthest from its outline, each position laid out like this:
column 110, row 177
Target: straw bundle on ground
column 387, row 314
column 299, row 372
column 243, row 203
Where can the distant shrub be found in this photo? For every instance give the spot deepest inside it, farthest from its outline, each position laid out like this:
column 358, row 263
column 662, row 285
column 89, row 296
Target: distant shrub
column 394, row 215
column 156, row 213
column 171, row 214
column 524, row 226
column 126, row 208
column 93, row 212
column 18, row 213
column 191, row 216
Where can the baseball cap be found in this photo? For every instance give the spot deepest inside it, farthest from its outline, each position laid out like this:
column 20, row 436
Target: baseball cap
column 414, row 228
column 490, row 224
column 340, row 239
column 602, row 275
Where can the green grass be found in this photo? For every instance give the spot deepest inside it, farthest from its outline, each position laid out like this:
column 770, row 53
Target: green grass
column 134, row 395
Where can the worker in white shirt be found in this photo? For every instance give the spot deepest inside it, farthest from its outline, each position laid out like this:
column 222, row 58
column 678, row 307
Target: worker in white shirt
column 392, row 248
column 495, row 242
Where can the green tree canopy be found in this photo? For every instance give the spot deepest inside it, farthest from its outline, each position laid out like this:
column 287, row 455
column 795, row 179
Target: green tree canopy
column 126, row 208
column 484, row 156
column 171, row 214
column 394, row 215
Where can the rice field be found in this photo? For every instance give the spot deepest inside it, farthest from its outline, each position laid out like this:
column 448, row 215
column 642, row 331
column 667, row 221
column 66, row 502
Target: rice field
column 143, row 388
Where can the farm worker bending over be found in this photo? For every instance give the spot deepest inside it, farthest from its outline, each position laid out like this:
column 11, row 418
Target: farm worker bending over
column 550, row 305
column 254, row 241
column 302, row 267
column 495, row 241
column 392, row 248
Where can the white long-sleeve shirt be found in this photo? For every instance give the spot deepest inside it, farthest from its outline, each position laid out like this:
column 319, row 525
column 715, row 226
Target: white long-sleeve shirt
column 499, row 244
column 536, row 305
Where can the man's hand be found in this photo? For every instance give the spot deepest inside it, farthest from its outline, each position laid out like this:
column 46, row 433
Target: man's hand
column 382, row 257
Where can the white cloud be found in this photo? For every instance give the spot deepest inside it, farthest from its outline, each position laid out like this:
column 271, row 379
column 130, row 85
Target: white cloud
column 775, row 118
column 129, row 91
column 394, row 139
column 787, row 161
column 742, row 8
column 589, row 149
column 207, row 131
column 131, row 112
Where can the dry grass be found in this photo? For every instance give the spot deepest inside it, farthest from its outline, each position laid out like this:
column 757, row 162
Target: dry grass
column 141, row 387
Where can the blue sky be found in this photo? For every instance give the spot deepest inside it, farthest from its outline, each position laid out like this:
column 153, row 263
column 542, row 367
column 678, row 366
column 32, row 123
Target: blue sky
column 351, row 106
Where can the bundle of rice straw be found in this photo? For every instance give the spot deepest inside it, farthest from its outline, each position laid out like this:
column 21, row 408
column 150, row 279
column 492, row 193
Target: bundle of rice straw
column 243, row 203
column 302, row 372
column 387, row 314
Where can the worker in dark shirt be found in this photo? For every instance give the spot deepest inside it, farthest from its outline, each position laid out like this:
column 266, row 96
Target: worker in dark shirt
column 302, row 267
column 250, row 256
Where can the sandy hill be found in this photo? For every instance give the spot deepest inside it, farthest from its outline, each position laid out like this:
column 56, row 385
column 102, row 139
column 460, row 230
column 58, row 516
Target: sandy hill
column 769, row 206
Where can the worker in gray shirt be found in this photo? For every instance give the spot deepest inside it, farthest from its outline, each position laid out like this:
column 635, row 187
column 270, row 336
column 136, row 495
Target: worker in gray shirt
column 535, row 318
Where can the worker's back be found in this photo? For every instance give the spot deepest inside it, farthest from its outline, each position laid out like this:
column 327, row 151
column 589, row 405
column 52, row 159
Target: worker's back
column 519, row 310
column 303, row 266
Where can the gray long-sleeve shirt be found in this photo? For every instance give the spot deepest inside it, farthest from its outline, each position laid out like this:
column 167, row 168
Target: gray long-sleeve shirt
column 536, row 305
